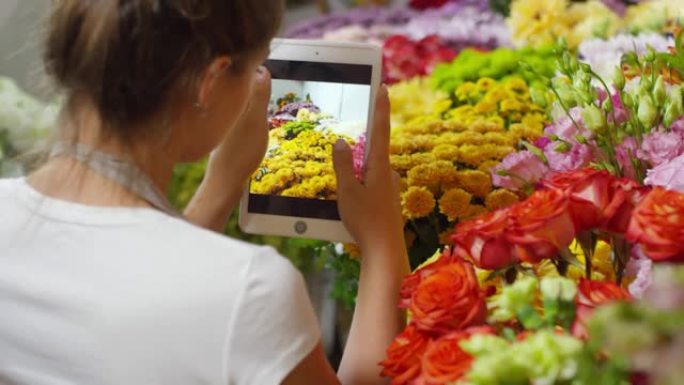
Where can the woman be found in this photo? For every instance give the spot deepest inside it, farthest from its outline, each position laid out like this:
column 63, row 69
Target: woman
column 101, row 283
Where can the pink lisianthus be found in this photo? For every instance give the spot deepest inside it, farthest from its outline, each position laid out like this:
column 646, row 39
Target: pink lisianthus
column 640, row 269
column 569, row 159
column 660, row 147
column 523, row 167
column 625, row 152
column 669, row 175
column 678, row 127
column 565, row 129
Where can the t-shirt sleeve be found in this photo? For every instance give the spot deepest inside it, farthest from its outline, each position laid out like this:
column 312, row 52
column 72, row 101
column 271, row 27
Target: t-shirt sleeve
column 274, row 327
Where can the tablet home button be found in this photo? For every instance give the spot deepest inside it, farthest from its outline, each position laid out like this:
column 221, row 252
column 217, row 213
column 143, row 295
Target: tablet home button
column 300, row 227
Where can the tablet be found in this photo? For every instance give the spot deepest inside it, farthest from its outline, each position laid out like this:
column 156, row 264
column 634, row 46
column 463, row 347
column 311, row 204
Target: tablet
column 321, row 91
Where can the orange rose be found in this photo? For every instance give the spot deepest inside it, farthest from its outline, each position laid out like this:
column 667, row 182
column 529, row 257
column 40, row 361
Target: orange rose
column 625, row 195
column 411, row 282
column 541, row 226
column 449, row 299
column 590, row 295
column 444, row 362
column 404, row 356
column 658, row 226
column 588, row 192
column 483, row 240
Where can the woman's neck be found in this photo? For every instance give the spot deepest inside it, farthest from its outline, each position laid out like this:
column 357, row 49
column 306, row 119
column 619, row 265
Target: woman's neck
column 66, row 178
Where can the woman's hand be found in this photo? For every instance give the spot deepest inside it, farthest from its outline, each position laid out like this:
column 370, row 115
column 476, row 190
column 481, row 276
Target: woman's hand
column 371, row 210
column 232, row 163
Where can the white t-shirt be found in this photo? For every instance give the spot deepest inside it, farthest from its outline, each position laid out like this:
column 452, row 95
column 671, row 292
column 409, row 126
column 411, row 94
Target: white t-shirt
column 96, row 295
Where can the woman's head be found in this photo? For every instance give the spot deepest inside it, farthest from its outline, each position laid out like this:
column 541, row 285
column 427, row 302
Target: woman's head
column 135, row 61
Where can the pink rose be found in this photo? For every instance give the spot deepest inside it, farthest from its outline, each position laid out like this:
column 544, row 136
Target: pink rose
column 660, row 147
column 523, row 167
column 669, row 175
column 568, row 159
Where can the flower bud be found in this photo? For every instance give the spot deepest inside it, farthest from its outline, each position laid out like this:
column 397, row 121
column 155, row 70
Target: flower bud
column 594, row 118
column 558, row 288
column 563, row 147
column 619, row 79
column 608, row 105
column 650, row 54
column 581, row 139
column 628, row 100
column 538, row 97
column 659, row 91
column 647, row 112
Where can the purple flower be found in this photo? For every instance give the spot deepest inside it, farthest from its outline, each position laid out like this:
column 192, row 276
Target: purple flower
column 661, row 147
column 293, row 108
column 565, row 129
column 523, row 167
column 625, row 152
column 669, row 175
column 566, row 156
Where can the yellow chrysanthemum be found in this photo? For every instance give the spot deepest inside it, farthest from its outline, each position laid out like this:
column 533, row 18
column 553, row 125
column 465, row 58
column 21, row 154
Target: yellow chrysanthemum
column 417, row 202
column 446, row 152
column 449, row 179
column 474, row 211
column 416, row 98
column 499, row 199
column 488, row 165
column 475, row 182
column 590, row 19
column 466, row 91
column 425, row 175
column 455, row 203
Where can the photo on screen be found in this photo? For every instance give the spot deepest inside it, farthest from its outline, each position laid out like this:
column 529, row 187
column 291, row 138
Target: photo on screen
column 306, row 118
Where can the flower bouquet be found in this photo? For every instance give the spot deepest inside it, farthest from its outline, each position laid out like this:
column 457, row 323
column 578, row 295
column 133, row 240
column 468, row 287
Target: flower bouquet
column 480, row 311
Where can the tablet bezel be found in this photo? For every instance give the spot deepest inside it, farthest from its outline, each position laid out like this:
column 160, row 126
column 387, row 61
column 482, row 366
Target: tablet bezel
column 321, row 52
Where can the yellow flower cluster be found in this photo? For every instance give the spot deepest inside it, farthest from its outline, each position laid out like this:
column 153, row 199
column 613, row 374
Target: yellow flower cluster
column 444, row 157
column 537, row 23
column 416, row 98
column 300, row 167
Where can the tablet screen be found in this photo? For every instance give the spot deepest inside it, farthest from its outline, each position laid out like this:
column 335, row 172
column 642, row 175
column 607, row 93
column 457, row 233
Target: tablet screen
column 312, row 105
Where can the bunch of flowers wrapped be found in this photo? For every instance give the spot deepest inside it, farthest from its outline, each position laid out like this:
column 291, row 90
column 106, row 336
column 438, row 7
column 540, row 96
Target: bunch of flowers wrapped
column 444, row 158
column 481, row 310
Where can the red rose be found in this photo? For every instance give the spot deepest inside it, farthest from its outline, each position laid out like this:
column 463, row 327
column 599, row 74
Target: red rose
column 411, row 282
column 444, row 361
column 592, row 294
column 449, row 299
column 588, row 192
column 404, row 356
column 540, row 226
column 484, row 241
column 657, row 225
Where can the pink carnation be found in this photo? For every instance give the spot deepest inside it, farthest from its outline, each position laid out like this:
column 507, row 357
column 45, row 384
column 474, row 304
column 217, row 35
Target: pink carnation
column 578, row 156
column 669, row 175
column 523, row 167
column 661, row 147
column 678, row 127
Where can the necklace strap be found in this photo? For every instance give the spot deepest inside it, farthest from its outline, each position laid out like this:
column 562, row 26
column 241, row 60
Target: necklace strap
column 120, row 171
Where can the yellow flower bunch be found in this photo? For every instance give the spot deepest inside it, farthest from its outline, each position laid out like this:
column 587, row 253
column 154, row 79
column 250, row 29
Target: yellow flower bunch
column 416, row 99
column 537, row 23
column 300, row 167
column 445, row 157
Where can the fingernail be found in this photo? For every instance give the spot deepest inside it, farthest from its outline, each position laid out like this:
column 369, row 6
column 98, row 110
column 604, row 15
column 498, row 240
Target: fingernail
column 340, row 145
